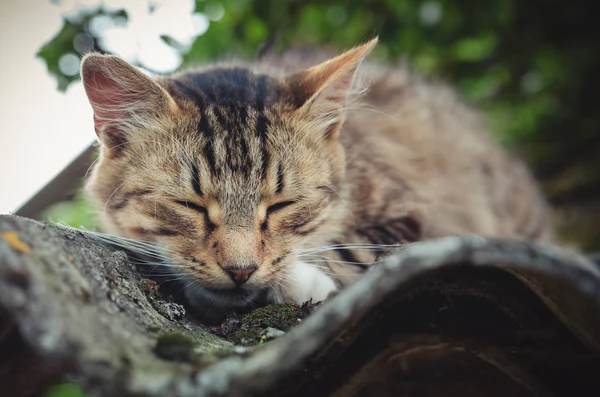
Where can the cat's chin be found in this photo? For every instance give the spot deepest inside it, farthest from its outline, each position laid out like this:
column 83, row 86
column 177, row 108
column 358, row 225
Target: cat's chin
column 230, row 298
column 213, row 302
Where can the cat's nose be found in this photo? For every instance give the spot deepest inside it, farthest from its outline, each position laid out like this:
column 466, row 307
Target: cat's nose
column 240, row 275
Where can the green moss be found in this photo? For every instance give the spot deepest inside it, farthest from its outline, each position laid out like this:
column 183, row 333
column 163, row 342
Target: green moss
column 282, row 317
column 247, row 338
column 65, row 390
column 175, row 346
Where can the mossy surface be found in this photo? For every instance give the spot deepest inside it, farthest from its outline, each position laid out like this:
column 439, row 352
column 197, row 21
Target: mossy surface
column 150, row 287
column 282, row 317
column 175, row 346
column 65, row 390
column 247, row 338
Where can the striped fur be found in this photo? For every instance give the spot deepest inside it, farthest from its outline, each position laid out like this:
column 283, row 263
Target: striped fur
column 276, row 166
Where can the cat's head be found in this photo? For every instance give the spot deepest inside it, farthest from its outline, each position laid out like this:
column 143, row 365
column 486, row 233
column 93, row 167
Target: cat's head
column 228, row 168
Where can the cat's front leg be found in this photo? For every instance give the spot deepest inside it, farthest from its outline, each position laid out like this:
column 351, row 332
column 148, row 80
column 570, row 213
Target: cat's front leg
column 304, row 282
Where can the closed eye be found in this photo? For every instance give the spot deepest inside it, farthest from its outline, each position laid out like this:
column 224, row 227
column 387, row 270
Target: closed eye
column 192, row 206
column 279, row 206
column 210, row 226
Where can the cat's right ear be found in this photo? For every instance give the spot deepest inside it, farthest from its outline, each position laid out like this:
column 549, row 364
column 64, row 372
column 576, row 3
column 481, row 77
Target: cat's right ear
column 123, row 99
column 323, row 90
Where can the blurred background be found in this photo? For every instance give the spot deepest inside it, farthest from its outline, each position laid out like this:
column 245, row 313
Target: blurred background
column 532, row 66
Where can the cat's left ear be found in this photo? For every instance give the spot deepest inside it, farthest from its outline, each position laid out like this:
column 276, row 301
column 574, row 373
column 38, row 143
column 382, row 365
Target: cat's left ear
column 123, row 98
column 324, row 89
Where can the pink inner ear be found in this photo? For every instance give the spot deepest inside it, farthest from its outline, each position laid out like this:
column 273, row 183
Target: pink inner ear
column 338, row 92
column 105, row 97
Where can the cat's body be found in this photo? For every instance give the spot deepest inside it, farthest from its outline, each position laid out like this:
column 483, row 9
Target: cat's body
column 253, row 183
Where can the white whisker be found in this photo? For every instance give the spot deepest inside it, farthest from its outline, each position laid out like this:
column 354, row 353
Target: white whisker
column 111, row 195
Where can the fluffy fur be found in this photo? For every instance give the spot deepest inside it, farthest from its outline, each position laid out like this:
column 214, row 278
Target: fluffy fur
column 272, row 179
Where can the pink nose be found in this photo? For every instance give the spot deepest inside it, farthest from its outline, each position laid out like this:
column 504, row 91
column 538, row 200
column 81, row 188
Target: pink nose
column 240, row 275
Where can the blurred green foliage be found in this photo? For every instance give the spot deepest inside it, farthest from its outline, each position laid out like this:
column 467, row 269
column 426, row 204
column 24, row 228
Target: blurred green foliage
column 532, row 66
column 73, row 38
column 78, row 212
column 65, row 390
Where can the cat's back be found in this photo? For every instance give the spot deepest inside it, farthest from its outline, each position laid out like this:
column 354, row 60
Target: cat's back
column 431, row 156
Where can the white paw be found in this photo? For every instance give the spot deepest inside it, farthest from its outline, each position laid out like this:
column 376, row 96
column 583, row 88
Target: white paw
column 305, row 282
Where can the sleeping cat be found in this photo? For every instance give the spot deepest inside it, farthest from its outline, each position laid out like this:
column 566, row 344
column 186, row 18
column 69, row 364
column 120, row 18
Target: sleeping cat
column 286, row 180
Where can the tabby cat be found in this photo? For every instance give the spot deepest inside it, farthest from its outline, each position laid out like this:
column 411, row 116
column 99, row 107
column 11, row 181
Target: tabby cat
column 283, row 180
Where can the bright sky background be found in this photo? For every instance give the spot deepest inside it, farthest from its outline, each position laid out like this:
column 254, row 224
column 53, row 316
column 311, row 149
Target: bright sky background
column 41, row 129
